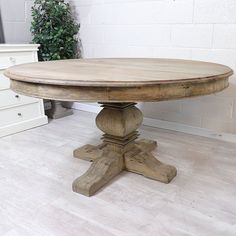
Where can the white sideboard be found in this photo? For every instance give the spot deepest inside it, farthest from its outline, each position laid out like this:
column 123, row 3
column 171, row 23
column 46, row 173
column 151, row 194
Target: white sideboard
column 18, row 112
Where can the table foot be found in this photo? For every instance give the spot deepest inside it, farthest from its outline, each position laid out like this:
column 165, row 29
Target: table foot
column 100, row 173
column 146, row 164
column 89, row 152
column 146, row 145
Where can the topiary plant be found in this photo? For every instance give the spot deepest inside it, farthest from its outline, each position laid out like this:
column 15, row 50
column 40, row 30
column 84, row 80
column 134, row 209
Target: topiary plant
column 54, row 28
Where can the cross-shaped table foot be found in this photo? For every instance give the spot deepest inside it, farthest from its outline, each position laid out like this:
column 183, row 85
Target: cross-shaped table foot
column 144, row 163
column 119, row 151
column 100, row 172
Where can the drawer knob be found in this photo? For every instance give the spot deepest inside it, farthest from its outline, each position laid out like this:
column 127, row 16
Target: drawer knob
column 19, row 114
column 17, row 96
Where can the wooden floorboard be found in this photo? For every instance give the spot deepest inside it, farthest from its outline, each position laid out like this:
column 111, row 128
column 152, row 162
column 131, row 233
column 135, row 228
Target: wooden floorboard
column 37, row 169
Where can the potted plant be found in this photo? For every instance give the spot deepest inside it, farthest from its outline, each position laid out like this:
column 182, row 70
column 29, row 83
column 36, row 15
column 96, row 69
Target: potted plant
column 54, row 28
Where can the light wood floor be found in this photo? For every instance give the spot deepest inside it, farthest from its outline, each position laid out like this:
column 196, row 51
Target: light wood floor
column 37, row 169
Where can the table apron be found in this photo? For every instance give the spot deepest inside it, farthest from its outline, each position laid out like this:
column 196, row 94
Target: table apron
column 158, row 92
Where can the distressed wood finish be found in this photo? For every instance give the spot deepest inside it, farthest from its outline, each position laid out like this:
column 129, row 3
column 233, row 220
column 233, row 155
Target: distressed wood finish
column 119, row 150
column 118, row 84
column 161, row 92
column 100, row 172
column 116, row 72
column 118, row 80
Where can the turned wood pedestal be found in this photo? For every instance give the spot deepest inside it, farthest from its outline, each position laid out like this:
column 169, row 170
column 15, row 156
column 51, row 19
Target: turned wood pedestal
column 119, row 150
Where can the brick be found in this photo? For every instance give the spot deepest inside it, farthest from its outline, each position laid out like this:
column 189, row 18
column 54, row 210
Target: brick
column 192, row 35
column 92, row 34
column 172, row 52
column 96, row 13
column 87, row 51
column 147, row 12
column 82, row 14
column 104, row 50
column 215, row 11
column 87, row 2
column 224, row 36
column 138, row 35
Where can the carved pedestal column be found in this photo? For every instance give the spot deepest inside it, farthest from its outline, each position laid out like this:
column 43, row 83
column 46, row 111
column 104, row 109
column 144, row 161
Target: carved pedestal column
column 119, row 150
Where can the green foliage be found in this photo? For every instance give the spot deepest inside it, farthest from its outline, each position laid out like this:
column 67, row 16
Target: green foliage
column 54, row 28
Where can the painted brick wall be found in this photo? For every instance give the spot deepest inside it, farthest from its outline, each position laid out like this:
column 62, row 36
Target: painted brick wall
column 189, row 29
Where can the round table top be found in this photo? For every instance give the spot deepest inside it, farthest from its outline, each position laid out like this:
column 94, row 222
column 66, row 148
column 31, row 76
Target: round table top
column 115, row 80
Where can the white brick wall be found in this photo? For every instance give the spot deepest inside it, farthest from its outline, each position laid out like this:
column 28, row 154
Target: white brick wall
column 189, row 29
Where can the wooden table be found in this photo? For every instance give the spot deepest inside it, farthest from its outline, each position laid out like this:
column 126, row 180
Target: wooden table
column 117, row 84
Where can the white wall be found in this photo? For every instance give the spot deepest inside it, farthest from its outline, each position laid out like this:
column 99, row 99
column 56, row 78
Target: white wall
column 189, row 29
column 16, row 17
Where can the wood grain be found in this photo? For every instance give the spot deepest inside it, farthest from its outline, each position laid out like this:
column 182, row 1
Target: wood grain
column 161, row 92
column 100, row 173
column 118, row 83
column 115, row 80
column 119, row 150
column 116, row 72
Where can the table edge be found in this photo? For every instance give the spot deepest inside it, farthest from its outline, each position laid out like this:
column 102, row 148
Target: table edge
column 109, row 83
column 136, row 93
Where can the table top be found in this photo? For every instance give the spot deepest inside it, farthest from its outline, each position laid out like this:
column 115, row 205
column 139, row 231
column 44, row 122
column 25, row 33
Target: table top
column 134, row 79
column 115, row 72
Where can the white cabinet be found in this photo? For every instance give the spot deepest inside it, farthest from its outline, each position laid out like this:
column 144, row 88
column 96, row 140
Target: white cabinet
column 18, row 112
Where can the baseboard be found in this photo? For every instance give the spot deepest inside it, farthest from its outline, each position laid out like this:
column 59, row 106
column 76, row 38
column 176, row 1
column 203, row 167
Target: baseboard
column 168, row 125
column 189, row 129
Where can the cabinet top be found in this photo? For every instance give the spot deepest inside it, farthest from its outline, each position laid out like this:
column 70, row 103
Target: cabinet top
column 18, row 47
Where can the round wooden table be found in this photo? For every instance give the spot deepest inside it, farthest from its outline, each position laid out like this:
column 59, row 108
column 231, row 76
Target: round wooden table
column 118, row 84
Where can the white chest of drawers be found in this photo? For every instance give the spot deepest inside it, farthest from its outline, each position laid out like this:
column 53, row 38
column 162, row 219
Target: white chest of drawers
column 18, row 112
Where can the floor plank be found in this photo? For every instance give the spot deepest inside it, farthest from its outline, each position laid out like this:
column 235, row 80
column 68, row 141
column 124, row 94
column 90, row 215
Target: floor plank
column 37, row 169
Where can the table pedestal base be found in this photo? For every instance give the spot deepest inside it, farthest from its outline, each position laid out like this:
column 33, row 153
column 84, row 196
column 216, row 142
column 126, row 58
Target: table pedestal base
column 119, row 151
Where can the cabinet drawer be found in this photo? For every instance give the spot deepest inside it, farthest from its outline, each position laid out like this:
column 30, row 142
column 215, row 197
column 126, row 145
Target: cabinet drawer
column 4, row 81
column 8, row 59
column 10, row 98
column 19, row 114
